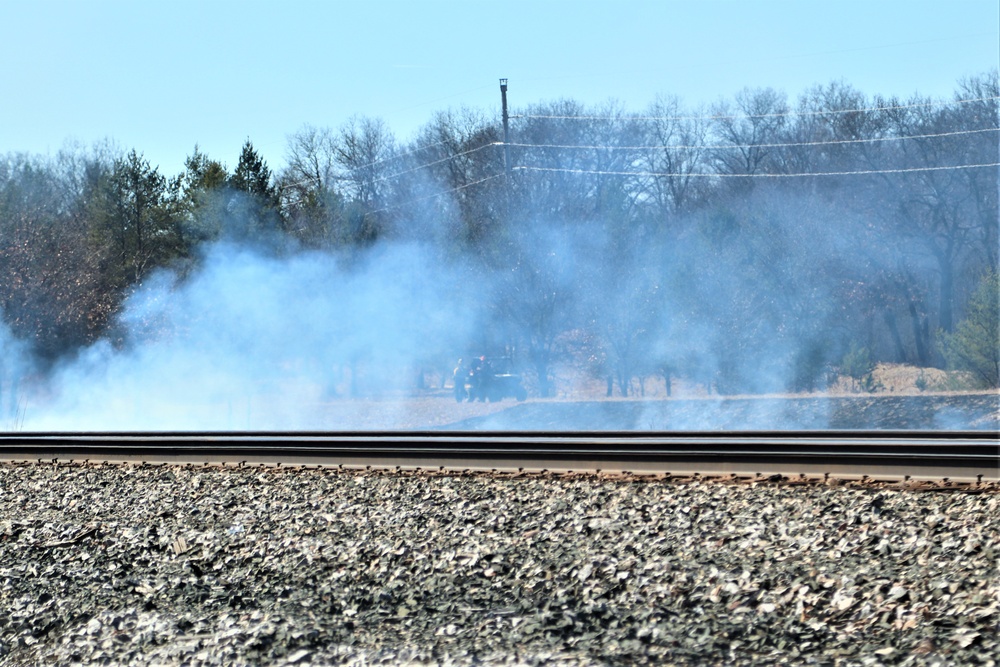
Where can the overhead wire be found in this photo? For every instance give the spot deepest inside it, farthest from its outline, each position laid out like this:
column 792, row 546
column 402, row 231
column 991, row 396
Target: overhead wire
column 431, row 164
column 655, row 174
column 611, row 147
column 777, row 114
column 396, row 156
column 435, row 195
column 831, row 142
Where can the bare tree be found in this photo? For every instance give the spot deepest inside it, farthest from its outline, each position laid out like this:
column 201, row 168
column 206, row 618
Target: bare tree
column 365, row 149
column 365, row 152
column 754, row 121
column 52, row 291
column 677, row 150
column 938, row 210
column 309, row 187
column 458, row 153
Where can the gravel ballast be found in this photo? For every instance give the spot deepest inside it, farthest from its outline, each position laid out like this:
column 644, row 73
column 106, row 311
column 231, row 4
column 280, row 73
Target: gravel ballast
column 212, row 566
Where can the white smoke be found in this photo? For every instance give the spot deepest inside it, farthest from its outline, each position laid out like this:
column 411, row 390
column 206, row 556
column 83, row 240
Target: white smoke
column 254, row 340
column 14, row 365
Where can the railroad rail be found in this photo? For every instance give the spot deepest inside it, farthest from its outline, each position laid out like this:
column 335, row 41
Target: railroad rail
column 955, row 455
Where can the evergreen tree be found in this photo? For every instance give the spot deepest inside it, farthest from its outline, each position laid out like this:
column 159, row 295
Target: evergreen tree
column 203, row 195
column 255, row 205
column 252, row 175
column 975, row 345
column 132, row 216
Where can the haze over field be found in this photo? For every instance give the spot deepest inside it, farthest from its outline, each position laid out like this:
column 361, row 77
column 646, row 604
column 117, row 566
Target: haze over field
column 634, row 225
column 762, row 250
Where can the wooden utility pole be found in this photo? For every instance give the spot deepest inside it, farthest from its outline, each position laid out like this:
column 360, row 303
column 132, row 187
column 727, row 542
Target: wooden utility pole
column 506, row 128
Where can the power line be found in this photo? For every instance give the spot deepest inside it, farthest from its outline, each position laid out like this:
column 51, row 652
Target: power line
column 654, row 174
column 435, row 195
column 670, row 147
column 396, row 156
column 832, row 142
column 781, row 114
column 431, row 164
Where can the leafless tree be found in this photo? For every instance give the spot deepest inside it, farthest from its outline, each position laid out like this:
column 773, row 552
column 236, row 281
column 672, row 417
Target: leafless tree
column 749, row 125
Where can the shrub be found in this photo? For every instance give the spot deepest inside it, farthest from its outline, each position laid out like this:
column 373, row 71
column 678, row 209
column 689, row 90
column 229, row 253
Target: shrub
column 975, row 344
column 858, row 365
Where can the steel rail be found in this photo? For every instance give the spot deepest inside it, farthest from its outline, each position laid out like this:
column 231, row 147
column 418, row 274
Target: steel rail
column 892, row 454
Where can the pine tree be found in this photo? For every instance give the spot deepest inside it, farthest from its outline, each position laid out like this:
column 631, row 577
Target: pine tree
column 975, row 345
column 253, row 176
column 204, row 196
column 132, row 217
column 256, row 203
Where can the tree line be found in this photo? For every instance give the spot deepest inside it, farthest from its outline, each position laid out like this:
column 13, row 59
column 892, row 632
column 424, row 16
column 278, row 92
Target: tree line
column 749, row 246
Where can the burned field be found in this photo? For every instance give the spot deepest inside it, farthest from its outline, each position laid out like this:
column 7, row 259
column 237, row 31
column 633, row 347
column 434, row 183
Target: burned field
column 881, row 412
column 954, row 411
column 209, row 566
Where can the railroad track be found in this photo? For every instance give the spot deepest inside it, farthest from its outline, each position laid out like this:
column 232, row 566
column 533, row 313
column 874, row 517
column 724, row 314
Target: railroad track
column 961, row 455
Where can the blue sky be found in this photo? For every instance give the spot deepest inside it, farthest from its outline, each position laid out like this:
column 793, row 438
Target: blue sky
column 161, row 76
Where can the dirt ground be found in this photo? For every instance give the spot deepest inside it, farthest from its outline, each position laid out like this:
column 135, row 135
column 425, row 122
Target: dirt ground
column 900, row 412
column 941, row 411
column 899, row 403
column 885, row 379
column 906, row 398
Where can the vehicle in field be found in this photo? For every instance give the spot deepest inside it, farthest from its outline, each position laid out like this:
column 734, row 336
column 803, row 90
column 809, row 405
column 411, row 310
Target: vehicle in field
column 485, row 379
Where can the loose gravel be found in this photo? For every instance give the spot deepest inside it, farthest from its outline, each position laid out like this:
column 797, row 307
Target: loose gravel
column 209, row 566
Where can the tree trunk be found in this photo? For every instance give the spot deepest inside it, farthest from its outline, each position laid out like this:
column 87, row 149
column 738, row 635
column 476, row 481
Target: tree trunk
column 897, row 340
column 542, row 370
column 623, row 382
column 919, row 321
column 946, row 316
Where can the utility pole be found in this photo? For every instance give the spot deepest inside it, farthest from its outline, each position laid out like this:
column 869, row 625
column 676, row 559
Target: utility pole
column 506, row 128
